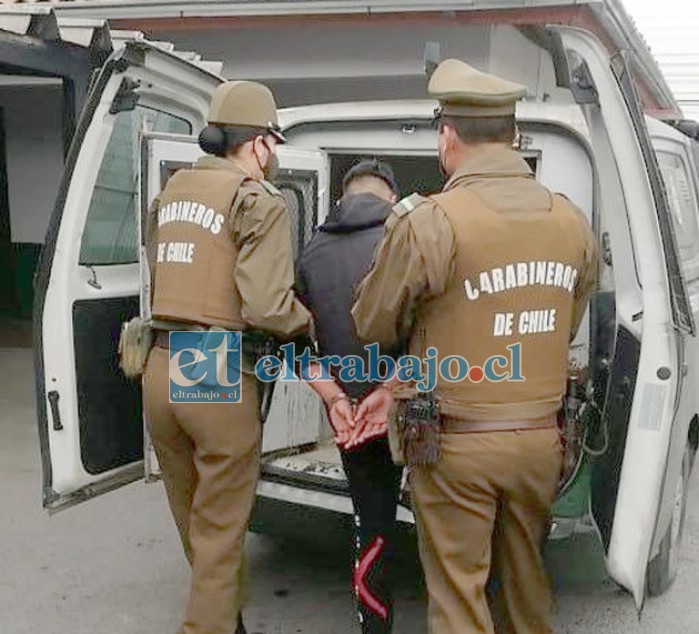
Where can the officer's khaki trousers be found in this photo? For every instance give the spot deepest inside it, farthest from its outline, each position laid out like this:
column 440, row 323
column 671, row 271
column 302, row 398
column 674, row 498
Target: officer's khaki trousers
column 487, row 500
column 209, row 454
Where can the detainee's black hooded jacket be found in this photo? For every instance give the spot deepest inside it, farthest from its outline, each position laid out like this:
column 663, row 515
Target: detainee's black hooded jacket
column 335, row 259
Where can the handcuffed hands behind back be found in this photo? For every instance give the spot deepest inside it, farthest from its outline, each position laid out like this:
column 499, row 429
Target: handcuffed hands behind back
column 341, row 414
column 370, row 418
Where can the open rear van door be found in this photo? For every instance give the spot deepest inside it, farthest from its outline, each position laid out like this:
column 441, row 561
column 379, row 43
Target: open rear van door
column 89, row 414
column 653, row 318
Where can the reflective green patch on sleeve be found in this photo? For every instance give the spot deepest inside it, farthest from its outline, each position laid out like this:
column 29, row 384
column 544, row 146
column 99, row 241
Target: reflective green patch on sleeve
column 408, row 204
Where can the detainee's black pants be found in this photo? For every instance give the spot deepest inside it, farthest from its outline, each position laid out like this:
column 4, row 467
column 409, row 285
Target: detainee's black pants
column 374, row 482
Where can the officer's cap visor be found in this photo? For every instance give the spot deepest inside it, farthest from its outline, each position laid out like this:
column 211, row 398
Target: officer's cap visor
column 276, row 132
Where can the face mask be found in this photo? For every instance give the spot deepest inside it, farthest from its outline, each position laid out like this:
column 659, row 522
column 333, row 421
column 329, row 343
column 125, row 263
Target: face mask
column 442, row 166
column 271, row 168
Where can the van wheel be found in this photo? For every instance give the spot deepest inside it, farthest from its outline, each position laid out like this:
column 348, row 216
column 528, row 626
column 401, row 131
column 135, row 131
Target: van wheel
column 662, row 570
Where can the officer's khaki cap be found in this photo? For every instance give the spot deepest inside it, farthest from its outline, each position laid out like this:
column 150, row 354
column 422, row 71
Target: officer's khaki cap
column 464, row 91
column 245, row 103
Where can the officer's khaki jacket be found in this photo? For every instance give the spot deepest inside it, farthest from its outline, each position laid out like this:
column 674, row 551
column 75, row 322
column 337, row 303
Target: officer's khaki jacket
column 416, row 290
column 250, row 263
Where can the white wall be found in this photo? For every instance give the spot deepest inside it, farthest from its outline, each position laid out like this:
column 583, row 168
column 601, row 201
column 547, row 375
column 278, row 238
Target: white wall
column 34, row 153
column 339, row 61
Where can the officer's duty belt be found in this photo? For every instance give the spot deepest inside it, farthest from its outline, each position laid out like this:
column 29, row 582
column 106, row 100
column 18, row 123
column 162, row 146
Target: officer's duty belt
column 451, row 425
column 161, row 338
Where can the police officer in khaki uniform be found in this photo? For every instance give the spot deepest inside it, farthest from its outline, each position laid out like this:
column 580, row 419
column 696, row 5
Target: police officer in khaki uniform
column 235, row 273
column 492, row 261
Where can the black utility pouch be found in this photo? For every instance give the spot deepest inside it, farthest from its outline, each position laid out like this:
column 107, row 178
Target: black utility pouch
column 257, row 345
column 418, row 429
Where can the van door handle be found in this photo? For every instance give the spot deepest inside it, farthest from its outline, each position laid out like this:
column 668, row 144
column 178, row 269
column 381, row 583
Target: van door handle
column 55, row 412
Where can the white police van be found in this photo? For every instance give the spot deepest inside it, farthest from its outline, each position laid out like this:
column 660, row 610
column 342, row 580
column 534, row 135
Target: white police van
column 632, row 406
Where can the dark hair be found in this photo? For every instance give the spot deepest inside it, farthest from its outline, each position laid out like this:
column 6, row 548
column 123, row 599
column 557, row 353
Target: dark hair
column 374, row 167
column 220, row 140
column 483, row 129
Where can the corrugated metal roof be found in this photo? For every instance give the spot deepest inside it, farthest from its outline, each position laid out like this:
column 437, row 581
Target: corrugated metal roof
column 671, row 29
column 42, row 23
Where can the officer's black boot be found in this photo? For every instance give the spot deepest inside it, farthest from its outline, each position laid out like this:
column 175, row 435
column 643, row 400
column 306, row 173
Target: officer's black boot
column 241, row 628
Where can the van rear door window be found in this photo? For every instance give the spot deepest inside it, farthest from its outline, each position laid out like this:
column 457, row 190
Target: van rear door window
column 300, row 191
column 683, row 207
column 110, row 235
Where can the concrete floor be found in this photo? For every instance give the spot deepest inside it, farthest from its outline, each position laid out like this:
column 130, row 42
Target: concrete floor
column 114, row 565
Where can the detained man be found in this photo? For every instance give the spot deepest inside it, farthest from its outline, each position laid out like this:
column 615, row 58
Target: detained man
column 337, row 256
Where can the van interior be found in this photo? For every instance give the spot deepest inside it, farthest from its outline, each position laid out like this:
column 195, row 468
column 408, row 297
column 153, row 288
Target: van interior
column 412, row 173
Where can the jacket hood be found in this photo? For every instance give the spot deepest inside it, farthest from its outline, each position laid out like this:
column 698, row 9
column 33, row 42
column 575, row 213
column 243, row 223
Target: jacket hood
column 354, row 213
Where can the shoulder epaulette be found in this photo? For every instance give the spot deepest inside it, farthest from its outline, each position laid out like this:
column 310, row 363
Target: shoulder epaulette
column 271, row 189
column 408, row 204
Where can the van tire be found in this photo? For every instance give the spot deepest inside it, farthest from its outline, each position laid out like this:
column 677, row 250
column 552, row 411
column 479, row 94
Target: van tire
column 662, row 570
